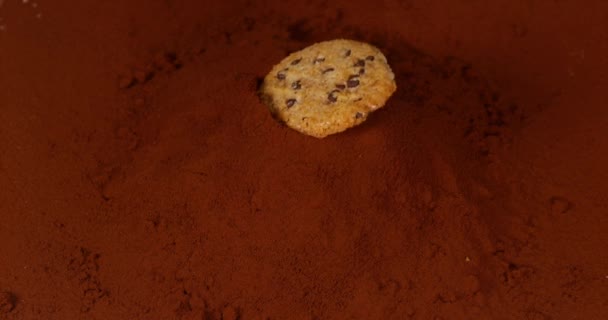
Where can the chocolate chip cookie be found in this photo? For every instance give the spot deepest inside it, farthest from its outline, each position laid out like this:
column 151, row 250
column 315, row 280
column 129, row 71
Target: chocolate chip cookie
column 328, row 87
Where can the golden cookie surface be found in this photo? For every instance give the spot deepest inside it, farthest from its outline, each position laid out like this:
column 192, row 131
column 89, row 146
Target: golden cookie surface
column 328, row 87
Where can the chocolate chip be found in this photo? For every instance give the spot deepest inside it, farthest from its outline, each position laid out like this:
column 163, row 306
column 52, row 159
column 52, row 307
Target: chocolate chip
column 361, row 71
column 293, row 63
column 332, row 97
column 290, row 102
column 328, row 70
column 340, row 86
column 281, row 75
column 296, row 85
column 360, row 63
column 358, row 115
column 370, row 58
column 317, row 60
column 353, row 81
column 347, row 54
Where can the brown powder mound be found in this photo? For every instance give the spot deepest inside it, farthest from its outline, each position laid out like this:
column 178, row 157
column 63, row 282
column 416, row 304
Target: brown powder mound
column 7, row 303
column 142, row 178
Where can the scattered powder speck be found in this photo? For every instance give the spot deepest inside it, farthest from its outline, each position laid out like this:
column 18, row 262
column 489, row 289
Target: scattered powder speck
column 34, row 6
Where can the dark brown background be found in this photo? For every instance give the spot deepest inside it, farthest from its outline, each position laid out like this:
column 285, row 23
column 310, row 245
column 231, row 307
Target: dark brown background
column 141, row 178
